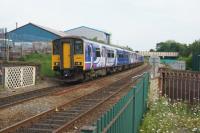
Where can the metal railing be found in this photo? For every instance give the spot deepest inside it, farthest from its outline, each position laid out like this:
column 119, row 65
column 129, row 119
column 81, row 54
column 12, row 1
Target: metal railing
column 180, row 85
column 126, row 115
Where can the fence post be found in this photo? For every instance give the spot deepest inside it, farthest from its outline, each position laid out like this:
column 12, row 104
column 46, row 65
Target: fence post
column 134, row 124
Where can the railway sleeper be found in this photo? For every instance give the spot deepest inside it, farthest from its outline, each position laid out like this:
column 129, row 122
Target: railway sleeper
column 86, row 104
column 78, row 109
column 54, row 121
column 45, row 125
column 62, row 117
column 66, row 113
column 38, row 130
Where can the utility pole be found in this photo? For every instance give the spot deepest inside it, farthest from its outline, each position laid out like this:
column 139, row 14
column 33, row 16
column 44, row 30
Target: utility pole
column 6, row 45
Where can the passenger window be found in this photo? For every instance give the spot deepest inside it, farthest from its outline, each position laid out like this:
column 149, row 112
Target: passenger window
column 98, row 52
column 112, row 55
column 108, row 54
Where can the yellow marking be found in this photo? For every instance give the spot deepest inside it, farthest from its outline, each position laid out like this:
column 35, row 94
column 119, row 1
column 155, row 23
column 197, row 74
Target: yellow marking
column 79, row 58
column 55, row 58
column 66, row 55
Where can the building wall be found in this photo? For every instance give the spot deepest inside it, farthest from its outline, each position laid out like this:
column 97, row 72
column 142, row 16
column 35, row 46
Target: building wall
column 89, row 33
column 30, row 33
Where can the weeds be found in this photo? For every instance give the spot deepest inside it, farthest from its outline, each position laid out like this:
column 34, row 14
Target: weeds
column 44, row 60
column 165, row 117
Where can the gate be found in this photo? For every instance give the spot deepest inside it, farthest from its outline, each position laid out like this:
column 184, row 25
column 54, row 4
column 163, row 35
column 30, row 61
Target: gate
column 22, row 76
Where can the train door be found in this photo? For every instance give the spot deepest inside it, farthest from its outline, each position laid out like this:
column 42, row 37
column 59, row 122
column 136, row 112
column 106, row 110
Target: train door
column 66, row 55
column 104, row 55
column 88, row 59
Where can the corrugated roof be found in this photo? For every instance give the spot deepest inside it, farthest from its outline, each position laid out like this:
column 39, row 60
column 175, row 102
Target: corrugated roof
column 60, row 33
column 56, row 32
column 88, row 28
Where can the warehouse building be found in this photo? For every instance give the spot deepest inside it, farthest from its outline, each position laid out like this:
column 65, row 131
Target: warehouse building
column 35, row 38
column 90, row 33
column 32, row 38
column 32, row 32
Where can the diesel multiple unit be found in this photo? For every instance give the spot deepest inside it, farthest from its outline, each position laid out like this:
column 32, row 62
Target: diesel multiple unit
column 77, row 58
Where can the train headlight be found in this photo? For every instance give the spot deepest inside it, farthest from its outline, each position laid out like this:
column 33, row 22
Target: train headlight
column 56, row 63
column 78, row 63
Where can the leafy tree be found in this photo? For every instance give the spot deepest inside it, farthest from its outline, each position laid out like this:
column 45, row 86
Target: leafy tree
column 195, row 47
column 172, row 46
column 152, row 50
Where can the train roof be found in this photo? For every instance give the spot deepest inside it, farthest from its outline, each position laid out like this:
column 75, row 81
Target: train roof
column 92, row 41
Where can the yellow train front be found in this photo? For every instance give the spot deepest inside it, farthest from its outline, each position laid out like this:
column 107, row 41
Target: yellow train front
column 68, row 58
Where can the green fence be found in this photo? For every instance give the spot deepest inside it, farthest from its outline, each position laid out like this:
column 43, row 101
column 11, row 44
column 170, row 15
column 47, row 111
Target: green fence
column 126, row 115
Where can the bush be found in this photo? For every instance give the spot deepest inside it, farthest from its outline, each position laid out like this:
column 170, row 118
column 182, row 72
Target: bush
column 44, row 60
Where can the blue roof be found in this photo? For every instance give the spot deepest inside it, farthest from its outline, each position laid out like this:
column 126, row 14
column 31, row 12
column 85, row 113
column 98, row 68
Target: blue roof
column 32, row 32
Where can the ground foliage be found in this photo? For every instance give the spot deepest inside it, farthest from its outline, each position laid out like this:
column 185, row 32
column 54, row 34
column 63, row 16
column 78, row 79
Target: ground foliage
column 165, row 117
column 44, row 60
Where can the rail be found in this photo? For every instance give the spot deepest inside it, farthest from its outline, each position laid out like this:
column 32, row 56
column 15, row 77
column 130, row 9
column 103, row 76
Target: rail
column 63, row 117
column 126, row 115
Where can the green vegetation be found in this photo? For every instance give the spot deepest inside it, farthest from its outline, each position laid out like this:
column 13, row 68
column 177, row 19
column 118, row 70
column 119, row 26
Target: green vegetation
column 185, row 50
column 165, row 117
column 43, row 59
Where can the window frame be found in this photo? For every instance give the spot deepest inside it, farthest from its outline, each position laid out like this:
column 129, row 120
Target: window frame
column 80, row 44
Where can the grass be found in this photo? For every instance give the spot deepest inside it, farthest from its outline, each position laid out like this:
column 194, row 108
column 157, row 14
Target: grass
column 164, row 117
column 44, row 60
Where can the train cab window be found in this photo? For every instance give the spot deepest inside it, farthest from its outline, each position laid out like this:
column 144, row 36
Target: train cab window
column 78, row 47
column 56, row 48
column 97, row 52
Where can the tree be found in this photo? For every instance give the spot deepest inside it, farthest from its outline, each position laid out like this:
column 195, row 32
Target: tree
column 152, row 50
column 172, row 46
column 195, row 47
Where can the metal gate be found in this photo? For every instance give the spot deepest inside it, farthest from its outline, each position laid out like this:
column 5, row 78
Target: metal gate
column 16, row 77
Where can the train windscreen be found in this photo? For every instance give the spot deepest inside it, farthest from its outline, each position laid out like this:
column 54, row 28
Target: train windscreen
column 78, row 47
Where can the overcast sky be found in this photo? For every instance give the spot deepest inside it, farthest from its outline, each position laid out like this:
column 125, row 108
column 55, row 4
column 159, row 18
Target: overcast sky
column 137, row 23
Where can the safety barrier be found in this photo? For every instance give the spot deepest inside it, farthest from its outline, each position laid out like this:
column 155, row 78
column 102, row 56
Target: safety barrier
column 180, row 85
column 126, row 115
column 21, row 76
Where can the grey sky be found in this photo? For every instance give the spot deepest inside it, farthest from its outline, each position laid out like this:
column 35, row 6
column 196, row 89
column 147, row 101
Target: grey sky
column 137, row 23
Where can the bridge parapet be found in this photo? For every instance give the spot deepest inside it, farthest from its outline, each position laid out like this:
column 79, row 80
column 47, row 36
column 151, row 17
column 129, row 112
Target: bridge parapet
column 161, row 54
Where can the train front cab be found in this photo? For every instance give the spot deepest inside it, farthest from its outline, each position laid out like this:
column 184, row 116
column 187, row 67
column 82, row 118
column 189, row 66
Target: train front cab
column 68, row 57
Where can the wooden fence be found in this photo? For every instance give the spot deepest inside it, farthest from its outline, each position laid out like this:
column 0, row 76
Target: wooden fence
column 180, row 85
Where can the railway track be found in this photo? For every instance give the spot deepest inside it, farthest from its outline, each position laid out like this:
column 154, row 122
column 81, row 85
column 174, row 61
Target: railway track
column 19, row 98
column 64, row 116
column 23, row 97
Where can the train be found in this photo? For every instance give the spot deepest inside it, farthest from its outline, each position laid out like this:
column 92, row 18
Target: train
column 77, row 58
